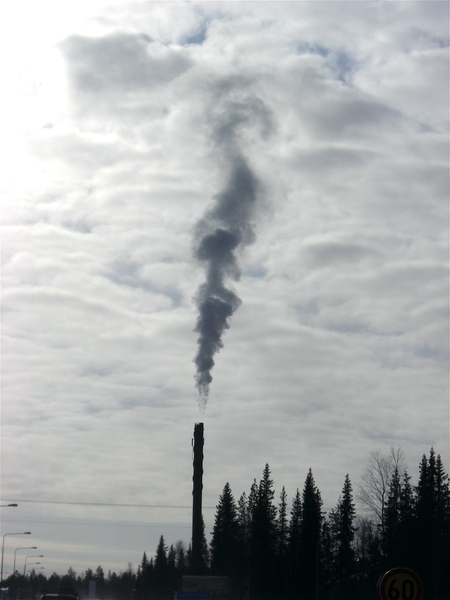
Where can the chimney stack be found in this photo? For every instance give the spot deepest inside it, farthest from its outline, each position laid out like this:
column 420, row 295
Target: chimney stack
column 197, row 519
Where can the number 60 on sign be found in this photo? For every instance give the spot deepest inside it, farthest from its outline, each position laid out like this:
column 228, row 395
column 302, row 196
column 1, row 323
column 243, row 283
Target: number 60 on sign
column 400, row 584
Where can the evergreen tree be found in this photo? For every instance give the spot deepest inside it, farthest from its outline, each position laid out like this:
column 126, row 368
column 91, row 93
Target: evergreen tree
column 282, row 566
column 369, row 556
column 225, row 537
column 295, row 524
column 407, row 525
column 282, row 523
column 432, row 524
column 263, row 538
column 99, row 579
column 53, row 582
column 244, row 514
column 144, row 578
column 425, row 522
column 442, row 550
column 160, row 570
column 326, row 574
column 392, row 519
column 311, row 527
column 243, row 549
column 252, row 502
column 88, row 577
column 173, row 578
column 345, row 553
column 181, row 557
column 205, row 552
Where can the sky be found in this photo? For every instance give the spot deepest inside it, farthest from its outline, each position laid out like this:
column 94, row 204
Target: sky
column 260, row 184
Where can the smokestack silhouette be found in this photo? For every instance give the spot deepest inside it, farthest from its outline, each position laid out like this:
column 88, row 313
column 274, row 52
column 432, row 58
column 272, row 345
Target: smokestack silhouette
column 197, row 518
column 224, row 228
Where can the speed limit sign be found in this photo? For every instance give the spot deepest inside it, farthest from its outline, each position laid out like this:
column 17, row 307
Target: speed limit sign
column 400, row 584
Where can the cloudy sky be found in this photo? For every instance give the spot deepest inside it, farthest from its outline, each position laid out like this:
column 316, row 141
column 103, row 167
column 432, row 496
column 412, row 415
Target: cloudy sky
column 316, row 133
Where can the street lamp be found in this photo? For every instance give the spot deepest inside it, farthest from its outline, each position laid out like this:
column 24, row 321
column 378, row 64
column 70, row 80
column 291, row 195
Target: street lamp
column 6, row 505
column 33, row 569
column 15, row 551
column 31, row 556
column 3, row 547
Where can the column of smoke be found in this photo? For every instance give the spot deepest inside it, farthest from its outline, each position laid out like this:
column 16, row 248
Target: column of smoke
column 226, row 227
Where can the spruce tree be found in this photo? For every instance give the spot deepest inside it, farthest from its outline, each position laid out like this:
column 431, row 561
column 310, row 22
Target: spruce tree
column 160, row 570
column 263, row 538
column 442, row 494
column 425, row 521
column 225, row 536
column 433, row 520
column 407, row 524
column 309, row 537
column 295, row 524
column 144, row 579
column 345, row 555
column 392, row 520
column 282, row 565
column 243, row 548
column 326, row 574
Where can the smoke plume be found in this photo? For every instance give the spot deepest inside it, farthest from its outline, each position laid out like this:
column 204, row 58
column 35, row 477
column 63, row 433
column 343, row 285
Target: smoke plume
column 225, row 228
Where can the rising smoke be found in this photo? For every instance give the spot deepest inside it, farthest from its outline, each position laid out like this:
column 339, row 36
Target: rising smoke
column 226, row 227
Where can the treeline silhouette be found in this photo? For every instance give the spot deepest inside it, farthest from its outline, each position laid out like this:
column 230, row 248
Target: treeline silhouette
column 278, row 552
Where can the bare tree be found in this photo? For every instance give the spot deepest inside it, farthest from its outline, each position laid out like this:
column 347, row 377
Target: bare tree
column 374, row 489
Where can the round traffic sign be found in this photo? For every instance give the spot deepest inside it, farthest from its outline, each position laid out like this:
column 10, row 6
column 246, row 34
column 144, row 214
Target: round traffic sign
column 400, row 584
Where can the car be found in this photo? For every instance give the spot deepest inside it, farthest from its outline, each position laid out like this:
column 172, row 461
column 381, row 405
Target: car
column 66, row 591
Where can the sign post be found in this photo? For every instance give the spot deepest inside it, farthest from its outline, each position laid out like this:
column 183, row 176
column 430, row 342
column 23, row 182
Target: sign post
column 400, row 584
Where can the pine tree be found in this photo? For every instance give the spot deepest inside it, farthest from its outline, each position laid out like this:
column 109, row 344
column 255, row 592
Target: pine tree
column 144, row 578
column 442, row 493
column 425, row 521
column 173, row 575
column 326, row 572
column 310, row 536
column 392, row 519
column 295, row 524
column 282, row 565
column 225, row 537
column 160, row 570
column 263, row 537
column 433, row 524
column 407, row 524
column 345, row 555
column 282, row 524
column 99, row 581
column 205, row 552
column 243, row 548
column 252, row 499
column 181, row 558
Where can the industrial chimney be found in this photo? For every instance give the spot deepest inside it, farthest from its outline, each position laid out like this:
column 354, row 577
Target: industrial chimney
column 197, row 518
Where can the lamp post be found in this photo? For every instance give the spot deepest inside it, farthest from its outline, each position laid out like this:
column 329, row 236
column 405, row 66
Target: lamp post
column 3, row 547
column 15, row 551
column 6, row 505
column 31, row 556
